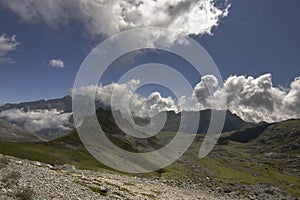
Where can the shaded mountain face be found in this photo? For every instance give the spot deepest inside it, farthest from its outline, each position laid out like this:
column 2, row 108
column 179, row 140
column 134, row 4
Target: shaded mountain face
column 47, row 118
column 64, row 104
column 118, row 137
column 13, row 133
column 275, row 134
column 53, row 118
column 114, row 133
column 232, row 121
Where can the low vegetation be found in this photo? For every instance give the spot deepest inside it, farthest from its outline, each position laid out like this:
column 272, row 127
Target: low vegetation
column 269, row 156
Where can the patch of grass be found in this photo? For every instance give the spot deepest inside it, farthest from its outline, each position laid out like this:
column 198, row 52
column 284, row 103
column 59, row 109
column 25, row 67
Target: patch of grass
column 129, row 184
column 120, row 188
column 156, row 192
column 55, row 152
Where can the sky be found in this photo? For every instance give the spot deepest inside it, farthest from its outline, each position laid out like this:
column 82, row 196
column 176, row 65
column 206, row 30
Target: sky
column 43, row 44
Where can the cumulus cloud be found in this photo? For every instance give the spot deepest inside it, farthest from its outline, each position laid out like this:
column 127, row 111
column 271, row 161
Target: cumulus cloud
column 292, row 99
column 7, row 44
column 106, row 17
column 204, row 89
column 253, row 99
column 122, row 97
column 39, row 120
column 58, row 63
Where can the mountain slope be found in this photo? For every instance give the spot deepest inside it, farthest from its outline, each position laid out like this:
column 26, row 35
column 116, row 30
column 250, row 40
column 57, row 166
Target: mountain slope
column 266, row 163
column 64, row 103
column 276, row 144
column 13, row 133
column 59, row 125
column 267, row 155
column 232, row 121
column 69, row 148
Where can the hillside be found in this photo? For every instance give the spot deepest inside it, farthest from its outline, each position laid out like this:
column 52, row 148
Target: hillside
column 232, row 121
column 277, row 145
column 251, row 167
column 64, row 103
column 13, row 133
column 265, row 156
column 58, row 125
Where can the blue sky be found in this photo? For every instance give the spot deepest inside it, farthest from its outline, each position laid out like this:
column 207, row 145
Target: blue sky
column 257, row 37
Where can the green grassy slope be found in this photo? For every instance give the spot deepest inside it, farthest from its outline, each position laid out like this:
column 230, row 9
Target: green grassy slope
column 67, row 149
column 267, row 154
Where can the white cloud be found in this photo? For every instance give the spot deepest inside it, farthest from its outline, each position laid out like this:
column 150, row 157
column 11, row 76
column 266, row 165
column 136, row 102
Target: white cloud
column 292, row 99
column 58, row 63
column 256, row 99
column 39, row 120
column 106, row 17
column 203, row 89
column 7, row 44
column 253, row 99
column 124, row 93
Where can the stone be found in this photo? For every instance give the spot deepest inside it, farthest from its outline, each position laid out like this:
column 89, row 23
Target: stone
column 226, row 190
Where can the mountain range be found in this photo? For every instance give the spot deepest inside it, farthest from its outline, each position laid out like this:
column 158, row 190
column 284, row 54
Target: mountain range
column 252, row 160
column 232, row 121
column 64, row 103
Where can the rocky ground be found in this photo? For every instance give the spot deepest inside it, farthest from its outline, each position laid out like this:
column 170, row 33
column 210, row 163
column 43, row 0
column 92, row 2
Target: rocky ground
column 23, row 179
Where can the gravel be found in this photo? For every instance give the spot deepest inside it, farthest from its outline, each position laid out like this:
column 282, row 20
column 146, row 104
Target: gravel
column 38, row 180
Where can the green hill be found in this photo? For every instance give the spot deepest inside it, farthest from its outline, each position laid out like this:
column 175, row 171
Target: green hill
column 266, row 154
